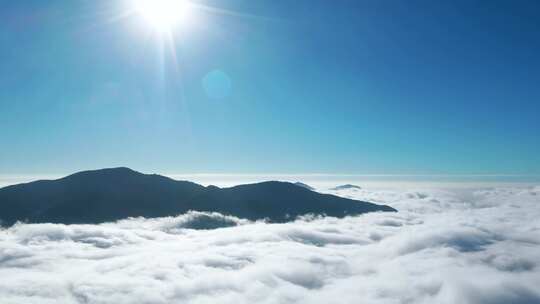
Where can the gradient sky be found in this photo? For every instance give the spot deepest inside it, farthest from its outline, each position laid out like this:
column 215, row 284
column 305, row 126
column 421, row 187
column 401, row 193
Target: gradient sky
column 407, row 87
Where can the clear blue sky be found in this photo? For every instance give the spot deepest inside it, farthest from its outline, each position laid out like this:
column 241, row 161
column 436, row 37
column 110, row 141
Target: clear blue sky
column 375, row 86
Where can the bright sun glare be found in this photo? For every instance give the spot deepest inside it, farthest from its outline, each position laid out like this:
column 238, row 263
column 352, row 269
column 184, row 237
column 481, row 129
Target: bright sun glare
column 164, row 15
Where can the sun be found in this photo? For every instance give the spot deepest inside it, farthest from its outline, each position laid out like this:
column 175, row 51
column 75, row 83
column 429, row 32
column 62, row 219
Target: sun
column 164, row 15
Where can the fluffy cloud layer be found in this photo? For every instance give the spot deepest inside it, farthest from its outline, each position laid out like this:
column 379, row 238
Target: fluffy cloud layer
column 444, row 246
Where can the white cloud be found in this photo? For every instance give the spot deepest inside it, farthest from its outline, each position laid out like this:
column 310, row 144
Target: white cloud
column 444, row 246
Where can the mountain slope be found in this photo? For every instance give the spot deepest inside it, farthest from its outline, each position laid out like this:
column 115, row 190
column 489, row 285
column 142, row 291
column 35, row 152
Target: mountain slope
column 112, row 194
column 300, row 184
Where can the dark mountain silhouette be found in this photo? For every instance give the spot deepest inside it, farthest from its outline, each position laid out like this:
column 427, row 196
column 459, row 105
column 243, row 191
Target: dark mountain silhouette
column 299, row 184
column 112, row 194
column 346, row 186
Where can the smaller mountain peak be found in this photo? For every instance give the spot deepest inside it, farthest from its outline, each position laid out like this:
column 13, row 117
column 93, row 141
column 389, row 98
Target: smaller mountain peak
column 346, row 186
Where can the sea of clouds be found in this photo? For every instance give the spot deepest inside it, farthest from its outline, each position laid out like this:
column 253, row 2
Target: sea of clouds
column 457, row 245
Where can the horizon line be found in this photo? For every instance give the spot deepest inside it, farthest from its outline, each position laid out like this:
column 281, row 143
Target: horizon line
column 206, row 174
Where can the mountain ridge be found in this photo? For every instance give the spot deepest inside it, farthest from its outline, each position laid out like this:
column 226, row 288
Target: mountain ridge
column 110, row 194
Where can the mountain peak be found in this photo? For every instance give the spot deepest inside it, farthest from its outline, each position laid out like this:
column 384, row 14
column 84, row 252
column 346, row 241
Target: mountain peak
column 114, row 170
column 346, row 186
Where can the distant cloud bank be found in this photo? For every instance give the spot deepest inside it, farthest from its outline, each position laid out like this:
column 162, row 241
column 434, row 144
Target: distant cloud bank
column 444, row 246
